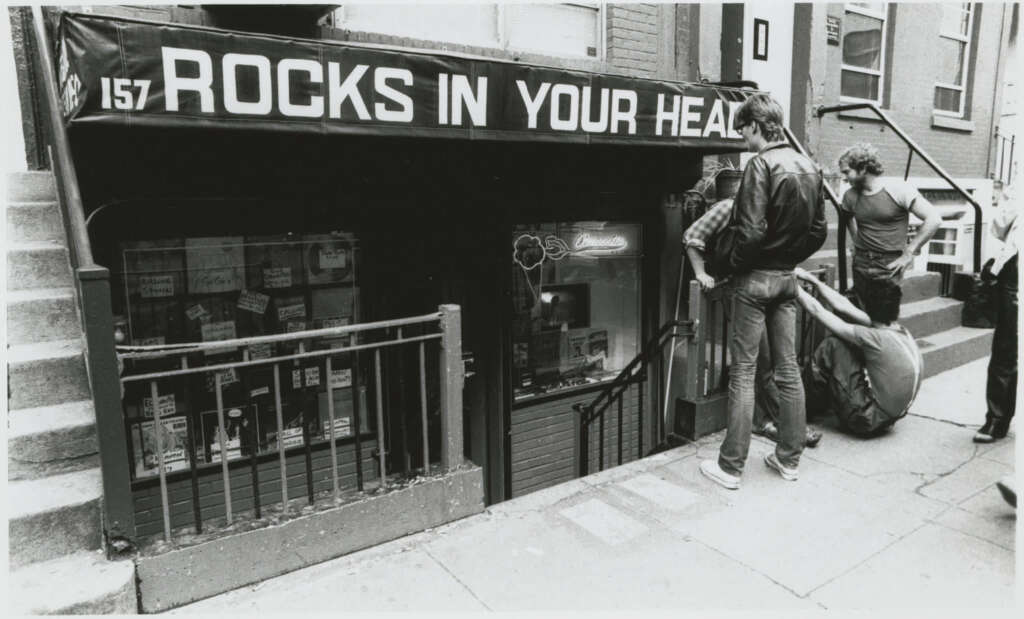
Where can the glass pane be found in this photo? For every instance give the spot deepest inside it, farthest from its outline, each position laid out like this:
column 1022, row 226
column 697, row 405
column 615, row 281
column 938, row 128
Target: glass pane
column 950, row 54
column 466, row 24
column 947, row 99
column 576, row 303
column 554, row 29
column 860, row 85
column 862, row 41
column 955, row 18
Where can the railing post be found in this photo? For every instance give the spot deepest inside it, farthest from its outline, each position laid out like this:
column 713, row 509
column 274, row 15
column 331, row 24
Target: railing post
column 104, row 380
column 694, row 347
column 452, row 377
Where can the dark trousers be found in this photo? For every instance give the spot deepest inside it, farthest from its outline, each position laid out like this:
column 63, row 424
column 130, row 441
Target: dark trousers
column 836, row 382
column 1001, row 390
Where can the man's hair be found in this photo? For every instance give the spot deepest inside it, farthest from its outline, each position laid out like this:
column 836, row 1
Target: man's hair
column 862, row 157
column 881, row 299
column 765, row 112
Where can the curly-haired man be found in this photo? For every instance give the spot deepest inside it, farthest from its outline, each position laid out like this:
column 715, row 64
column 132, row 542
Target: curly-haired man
column 877, row 213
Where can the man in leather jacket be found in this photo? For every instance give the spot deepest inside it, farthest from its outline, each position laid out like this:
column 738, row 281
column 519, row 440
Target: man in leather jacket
column 778, row 221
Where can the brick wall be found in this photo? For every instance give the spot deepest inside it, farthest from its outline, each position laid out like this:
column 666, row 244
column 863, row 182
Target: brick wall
column 633, row 37
column 963, row 153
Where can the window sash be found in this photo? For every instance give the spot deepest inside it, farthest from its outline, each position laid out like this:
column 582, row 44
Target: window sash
column 965, row 68
column 880, row 72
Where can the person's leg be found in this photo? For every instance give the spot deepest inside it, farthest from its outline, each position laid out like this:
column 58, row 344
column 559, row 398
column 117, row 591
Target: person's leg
column 849, row 393
column 766, row 394
column 747, row 326
column 780, row 322
column 1001, row 390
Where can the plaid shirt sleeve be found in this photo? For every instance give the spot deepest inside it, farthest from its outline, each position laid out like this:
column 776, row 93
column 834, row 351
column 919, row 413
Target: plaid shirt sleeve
column 710, row 223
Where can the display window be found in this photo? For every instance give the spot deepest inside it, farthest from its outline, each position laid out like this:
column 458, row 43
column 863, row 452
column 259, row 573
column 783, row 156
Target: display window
column 208, row 289
column 576, row 304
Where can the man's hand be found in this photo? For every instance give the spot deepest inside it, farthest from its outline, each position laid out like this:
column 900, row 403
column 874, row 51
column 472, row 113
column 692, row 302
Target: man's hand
column 706, row 281
column 805, row 276
column 897, row 266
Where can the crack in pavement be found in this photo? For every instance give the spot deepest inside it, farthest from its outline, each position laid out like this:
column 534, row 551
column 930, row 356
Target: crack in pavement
column 457, row 579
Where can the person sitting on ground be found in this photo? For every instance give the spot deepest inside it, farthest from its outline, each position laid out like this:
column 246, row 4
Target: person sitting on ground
column 766, row 394
column 868, row 369
column 877, row 213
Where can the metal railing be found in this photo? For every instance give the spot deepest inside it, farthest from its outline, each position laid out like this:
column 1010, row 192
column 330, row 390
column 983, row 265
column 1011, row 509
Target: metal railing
column 913, row 149
column 327, row 349
column 92, row 292
column 635, row 373
column 1005, row 170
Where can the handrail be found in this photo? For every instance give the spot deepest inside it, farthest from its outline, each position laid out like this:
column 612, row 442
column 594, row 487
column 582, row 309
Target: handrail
column 144, row 352
column 62, row 149
column 840, row 225
column 821, row 111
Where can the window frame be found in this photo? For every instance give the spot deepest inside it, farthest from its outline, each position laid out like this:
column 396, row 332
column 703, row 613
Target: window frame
column 882, row 15
column 965, row 78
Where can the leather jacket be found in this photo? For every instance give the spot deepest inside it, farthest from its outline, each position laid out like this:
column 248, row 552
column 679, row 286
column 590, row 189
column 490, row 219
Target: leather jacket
column 778, row 219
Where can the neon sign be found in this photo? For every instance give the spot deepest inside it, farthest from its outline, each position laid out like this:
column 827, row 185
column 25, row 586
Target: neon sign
column 590, row 242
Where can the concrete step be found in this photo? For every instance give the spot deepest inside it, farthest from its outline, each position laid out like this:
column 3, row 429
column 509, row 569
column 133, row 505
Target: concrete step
column 51, row 440
column 31, row 187
column 954, row 347
column 41, row 315
column 34, row 221
column 83, row 583
column 46, row 373
column 37, row 264
column 54, row 516
column 920, row 285
column 924, row 318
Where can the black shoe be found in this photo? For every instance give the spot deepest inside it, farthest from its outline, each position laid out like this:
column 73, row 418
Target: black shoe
column 989, row 433
column 1005, row 486
column 768, row 430
column 813, row 438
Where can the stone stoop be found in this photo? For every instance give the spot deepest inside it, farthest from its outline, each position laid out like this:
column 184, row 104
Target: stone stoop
column 55, row 490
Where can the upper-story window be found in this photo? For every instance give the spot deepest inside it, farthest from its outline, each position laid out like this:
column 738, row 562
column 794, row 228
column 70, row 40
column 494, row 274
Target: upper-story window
column 953, row 54
column 864, row 32
column 565, row 29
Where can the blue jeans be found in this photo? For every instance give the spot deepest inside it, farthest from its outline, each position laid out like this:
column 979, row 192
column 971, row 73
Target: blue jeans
column 764, row 300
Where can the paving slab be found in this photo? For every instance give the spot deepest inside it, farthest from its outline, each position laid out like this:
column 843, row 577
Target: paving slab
column 395, row 578
column 935, row 567
column 564, row 558
column 1004, row 451
column 956, row 395
column 965, row 481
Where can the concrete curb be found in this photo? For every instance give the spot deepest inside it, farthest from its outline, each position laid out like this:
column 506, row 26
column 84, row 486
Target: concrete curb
column 181, row 576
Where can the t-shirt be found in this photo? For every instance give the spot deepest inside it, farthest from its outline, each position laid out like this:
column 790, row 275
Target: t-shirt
column 894, row 365
column 882, row 217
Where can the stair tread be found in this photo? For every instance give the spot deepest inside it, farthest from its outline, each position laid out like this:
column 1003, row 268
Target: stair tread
column 953, row 336
column 34, row 496
column 31, row 203
column 930, row 304
column 38, row 351
column 27, row 421
column 38, row 294
column 67, row 582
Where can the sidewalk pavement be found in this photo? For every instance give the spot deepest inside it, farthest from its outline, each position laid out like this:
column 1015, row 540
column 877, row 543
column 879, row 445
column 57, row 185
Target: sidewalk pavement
column 910, row 520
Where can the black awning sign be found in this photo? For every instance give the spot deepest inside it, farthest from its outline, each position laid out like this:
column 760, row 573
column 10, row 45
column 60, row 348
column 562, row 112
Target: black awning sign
column 147, row 74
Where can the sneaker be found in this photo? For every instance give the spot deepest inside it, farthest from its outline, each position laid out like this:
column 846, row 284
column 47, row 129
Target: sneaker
column 786, row 473
column 813, row 438
column 768, row 430
column 1006, row 488
column 711, row 470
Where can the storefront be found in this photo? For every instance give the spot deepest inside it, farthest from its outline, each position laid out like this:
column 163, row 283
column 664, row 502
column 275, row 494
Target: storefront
column 244, row 185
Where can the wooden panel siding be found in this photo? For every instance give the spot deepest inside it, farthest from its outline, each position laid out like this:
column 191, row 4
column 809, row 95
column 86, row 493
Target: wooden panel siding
column 544, row 440
column 148, row 514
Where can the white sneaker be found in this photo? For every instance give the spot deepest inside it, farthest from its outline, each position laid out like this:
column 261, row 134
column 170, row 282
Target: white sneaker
column 786, row 473
column 711, row 470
